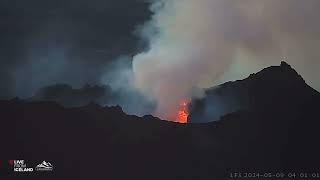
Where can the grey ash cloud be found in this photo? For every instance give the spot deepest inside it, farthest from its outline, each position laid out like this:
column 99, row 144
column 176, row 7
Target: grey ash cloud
column 64, row 41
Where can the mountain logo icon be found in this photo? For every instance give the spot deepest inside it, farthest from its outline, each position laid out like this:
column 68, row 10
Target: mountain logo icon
column 44, row 166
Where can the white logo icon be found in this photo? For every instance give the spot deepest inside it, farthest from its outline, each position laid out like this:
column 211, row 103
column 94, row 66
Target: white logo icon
column 44, row 166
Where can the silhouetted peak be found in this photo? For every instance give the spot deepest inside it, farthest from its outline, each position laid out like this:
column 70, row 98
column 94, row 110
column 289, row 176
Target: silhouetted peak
column 284, row 73
column 285, row 65
column 274, row 84
column 116, row 108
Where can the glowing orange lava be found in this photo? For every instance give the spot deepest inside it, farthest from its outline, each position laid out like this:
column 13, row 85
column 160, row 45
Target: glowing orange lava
column 183, row 113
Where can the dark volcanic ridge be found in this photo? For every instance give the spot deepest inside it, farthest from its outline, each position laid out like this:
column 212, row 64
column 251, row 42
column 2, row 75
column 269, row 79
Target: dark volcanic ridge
column 281, row 83
column 132, row 102
column 277, row 132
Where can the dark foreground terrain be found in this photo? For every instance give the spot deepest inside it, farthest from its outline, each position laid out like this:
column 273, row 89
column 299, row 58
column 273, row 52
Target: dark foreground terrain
column 277, row 132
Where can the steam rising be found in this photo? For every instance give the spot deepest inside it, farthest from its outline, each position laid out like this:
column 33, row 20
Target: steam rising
column 196, row 44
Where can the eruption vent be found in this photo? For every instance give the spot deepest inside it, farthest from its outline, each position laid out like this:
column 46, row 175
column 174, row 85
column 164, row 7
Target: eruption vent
column 183, row 112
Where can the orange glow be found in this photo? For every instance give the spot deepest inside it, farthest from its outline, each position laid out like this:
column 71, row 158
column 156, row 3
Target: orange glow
column 183, row 113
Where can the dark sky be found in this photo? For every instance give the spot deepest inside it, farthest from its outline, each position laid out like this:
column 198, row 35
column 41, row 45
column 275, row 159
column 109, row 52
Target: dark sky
column 64, row 41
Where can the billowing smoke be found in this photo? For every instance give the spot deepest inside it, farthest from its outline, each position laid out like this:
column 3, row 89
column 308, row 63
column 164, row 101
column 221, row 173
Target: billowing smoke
column 119, row 76
column 70, row 42
column 196, row 44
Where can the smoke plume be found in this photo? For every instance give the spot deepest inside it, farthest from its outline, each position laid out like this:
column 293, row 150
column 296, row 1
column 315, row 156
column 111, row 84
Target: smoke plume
column 198, row 44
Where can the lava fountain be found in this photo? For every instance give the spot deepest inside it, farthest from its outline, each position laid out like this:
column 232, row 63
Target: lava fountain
column 183, row 112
